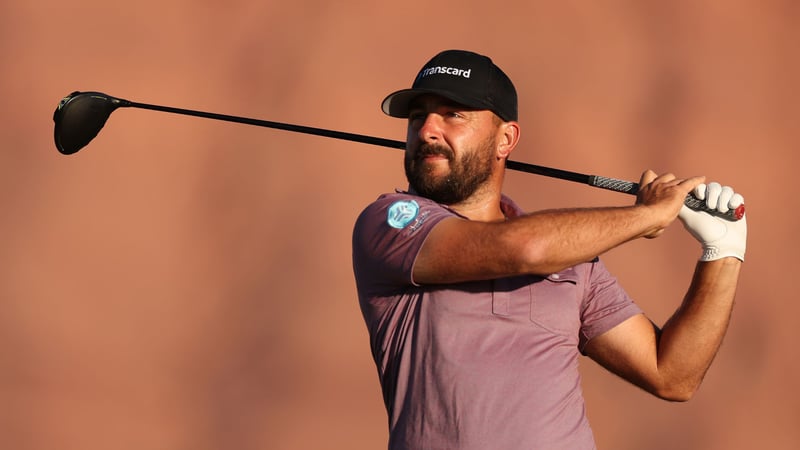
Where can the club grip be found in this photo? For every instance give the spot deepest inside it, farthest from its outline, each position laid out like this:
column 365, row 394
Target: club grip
column 691, row 201
column 699, row 205
column 613, row 184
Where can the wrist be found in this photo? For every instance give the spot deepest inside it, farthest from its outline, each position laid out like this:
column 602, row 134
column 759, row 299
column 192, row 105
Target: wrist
column 653, row 220
column 713, row 252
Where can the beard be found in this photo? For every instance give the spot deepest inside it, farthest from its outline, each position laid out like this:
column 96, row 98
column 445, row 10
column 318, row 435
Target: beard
column 466, row 174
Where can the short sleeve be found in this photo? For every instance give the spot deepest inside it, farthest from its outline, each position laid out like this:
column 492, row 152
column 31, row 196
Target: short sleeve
column 605, row 305
column 387, row 238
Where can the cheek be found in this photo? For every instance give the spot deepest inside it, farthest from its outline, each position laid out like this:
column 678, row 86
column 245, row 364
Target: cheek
column 413, row 129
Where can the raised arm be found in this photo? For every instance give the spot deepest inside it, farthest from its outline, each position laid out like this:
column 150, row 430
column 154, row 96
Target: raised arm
column 671, row 362
column 548, row 241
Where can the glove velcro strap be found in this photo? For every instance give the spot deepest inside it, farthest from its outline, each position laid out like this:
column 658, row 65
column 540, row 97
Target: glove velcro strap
column 712, row 253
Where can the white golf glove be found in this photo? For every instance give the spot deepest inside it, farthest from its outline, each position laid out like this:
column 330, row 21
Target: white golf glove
column 718, row 237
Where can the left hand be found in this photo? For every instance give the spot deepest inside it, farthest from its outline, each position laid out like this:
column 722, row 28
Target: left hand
column 719, row 237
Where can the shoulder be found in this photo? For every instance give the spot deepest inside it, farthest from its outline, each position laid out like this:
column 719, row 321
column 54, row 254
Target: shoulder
column 401, row 197
column 387, row 238
column 396, row 223
column 400, row 211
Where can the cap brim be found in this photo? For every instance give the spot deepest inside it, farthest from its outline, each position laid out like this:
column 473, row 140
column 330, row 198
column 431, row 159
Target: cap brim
column 397, row 103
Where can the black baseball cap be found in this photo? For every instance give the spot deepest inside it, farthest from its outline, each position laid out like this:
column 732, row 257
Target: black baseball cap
column 464, row 77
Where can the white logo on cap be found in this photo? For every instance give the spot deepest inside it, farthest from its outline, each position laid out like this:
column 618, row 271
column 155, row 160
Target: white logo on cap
column 446, row 71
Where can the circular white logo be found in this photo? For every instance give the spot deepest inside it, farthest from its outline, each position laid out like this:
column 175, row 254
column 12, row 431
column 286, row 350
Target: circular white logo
column 401, row 213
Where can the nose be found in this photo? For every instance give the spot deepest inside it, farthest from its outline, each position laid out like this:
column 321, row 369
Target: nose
column 428, row 128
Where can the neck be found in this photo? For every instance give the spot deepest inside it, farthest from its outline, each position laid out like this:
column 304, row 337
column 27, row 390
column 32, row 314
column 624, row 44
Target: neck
column 480, row 211
column 484, row 204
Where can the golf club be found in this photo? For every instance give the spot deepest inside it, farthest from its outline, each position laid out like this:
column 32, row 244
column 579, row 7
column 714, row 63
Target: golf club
column 80, row 116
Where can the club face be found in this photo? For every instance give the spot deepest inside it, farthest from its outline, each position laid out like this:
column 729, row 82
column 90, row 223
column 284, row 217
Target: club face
column 79, row 117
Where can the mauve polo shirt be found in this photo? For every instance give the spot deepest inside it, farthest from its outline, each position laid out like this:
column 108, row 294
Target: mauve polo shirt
column 478, row 365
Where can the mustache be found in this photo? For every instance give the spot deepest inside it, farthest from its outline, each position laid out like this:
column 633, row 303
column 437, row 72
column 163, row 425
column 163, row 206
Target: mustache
column 426, row 150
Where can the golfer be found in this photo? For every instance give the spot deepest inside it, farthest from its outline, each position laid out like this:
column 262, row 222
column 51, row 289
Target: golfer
column 477, row 312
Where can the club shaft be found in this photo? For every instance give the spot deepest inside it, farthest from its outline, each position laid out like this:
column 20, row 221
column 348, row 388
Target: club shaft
column 612, row 184
column 269, row 124
column 513, row 165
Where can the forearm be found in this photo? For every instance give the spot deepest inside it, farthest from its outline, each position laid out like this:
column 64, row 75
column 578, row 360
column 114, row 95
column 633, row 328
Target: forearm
column 690, row 339
column 547, row 241
column 557, row 239
column 540, row 243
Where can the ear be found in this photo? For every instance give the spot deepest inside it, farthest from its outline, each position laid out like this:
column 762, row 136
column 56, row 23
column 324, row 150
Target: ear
column 507, row 138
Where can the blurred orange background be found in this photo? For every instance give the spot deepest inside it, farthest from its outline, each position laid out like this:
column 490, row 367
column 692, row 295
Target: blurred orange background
column 186, row 284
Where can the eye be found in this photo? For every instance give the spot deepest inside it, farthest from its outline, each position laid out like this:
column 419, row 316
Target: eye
column 457, row 114
column 414, row 116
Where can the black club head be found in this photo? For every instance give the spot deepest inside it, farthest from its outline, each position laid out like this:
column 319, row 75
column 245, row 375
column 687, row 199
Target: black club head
column 79, row 117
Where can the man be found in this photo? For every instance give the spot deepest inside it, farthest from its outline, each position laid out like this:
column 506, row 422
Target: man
column 477, row 312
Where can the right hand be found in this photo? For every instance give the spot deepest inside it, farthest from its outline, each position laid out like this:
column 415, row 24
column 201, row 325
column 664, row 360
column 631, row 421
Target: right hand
column 664, row 195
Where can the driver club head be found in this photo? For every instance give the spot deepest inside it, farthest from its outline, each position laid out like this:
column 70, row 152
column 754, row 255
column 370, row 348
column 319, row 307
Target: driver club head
column 79, row 117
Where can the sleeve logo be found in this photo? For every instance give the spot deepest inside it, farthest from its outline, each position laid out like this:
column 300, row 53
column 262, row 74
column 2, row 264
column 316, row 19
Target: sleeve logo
column 401, row 213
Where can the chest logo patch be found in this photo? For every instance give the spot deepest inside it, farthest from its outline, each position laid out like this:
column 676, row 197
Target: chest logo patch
column 401, row 213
